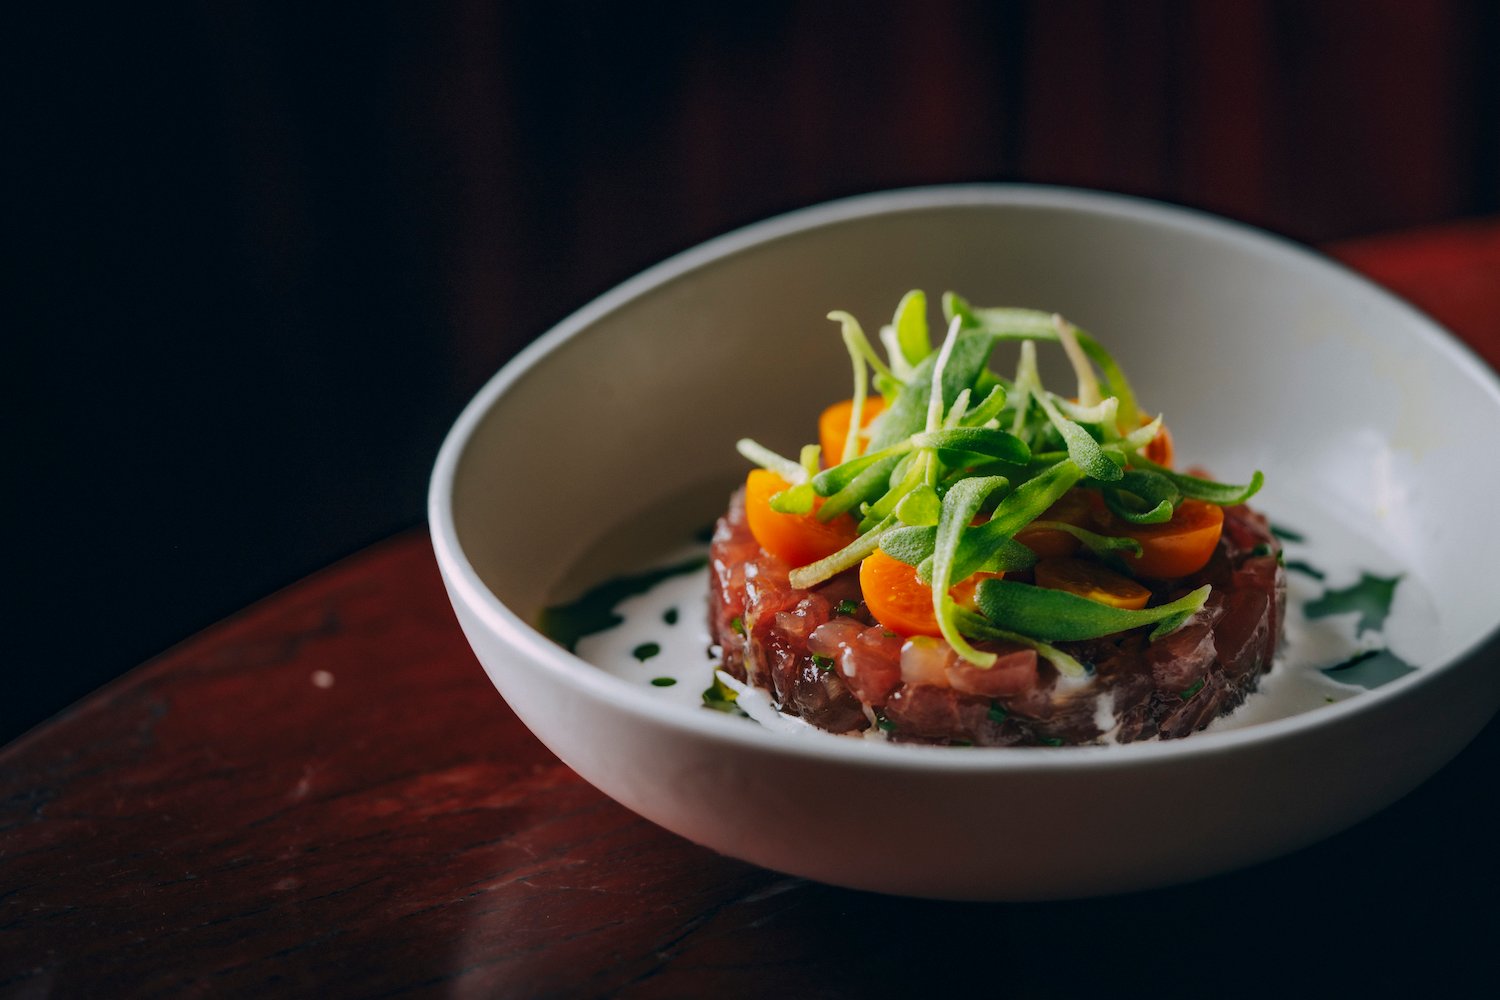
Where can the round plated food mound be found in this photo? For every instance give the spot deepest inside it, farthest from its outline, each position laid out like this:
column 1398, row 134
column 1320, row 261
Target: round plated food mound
column 822, row 656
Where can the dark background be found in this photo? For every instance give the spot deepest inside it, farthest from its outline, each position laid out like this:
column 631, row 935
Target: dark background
column 261, row 254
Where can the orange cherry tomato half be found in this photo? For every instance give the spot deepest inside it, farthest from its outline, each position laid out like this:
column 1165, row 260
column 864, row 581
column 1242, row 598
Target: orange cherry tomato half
column 796, row 539
column 1178, row 547
column 1089, row 579
column 1073, row 507
column 833, row 426
column 900, row 601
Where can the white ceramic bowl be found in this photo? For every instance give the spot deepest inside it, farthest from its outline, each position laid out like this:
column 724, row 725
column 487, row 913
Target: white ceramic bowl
column 1262, row 354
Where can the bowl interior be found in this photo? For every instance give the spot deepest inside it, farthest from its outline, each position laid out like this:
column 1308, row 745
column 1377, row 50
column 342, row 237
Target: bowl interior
column 619, row 427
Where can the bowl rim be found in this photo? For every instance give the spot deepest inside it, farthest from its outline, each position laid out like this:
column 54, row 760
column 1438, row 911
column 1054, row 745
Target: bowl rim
column 545, row 655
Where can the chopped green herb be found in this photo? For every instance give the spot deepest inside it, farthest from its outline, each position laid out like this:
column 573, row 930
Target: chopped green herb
column 738, row 624
column 1188, row 694
column 885, row 725
column 1306, row 569
column 997, row 712
column 823, row 663
column 1286, row 534
column 1261, row 550
column 1370, row 598
column 721, row 698
column 1051, row 741
column 847, row 608
column 645, row 651
column 663, row 682
column 669, row 616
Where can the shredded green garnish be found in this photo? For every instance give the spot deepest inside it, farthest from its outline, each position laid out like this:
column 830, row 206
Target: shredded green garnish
column 962, row 459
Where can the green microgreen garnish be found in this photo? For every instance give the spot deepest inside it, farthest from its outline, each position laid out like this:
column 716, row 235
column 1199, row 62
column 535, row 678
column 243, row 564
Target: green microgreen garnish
column 767, row 459
column 847, row 608
column 910, row 324
column 962, row 459
column 1206, row 490
column 1057, row 615
column 1142, row 497
column 1100, row 545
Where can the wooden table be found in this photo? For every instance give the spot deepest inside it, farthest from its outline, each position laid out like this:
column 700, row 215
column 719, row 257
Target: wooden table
column 324, row 795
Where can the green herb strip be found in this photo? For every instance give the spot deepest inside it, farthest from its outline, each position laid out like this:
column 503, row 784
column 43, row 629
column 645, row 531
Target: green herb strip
column 975, row 445
column 1286, row 534
column 1188, row 694
column 565, row 624
column 912, row 338
column 1194, row 488
column 823, row 663
column 988, row 409
column 1056, row 615
column 959, row 508
column 721, row 698
column 1099, row 545
column 1082, row 448
column 1305, row 568
column 908, row 414
column 1032, row 325
column 1370, row 598
column 663, row 682
column 1142, row 497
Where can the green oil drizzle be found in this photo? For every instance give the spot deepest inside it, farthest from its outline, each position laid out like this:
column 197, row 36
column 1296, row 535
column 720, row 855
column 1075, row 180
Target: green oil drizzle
column 1369, row 669
column 594, row 612
column 644, row 652
column 1370, row 598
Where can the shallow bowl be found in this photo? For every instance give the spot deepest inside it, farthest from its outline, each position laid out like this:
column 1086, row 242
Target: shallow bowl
column 622, row 420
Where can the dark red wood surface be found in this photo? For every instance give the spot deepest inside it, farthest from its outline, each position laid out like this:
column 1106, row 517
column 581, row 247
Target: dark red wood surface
column 324, row 795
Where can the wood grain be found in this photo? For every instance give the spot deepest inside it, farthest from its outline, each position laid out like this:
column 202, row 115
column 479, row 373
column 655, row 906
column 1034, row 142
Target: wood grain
column 324, row 796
